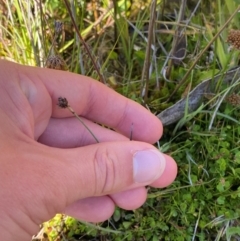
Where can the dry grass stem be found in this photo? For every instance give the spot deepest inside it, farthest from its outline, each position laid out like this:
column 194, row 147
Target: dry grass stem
column 84, row 43
column 146, row 67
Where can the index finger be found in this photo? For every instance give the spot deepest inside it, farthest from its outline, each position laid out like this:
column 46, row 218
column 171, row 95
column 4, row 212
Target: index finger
column 97, row 102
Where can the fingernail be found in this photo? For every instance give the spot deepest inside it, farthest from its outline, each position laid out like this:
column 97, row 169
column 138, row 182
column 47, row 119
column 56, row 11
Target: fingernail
column 148, row 165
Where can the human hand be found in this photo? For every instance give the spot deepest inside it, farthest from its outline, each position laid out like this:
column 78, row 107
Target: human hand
column 51, row 164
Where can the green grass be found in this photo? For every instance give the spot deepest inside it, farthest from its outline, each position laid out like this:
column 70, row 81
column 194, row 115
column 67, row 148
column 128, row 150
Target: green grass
column 203, row 202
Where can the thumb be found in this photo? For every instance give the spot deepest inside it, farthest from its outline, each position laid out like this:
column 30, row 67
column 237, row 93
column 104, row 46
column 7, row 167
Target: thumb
column 106, row 168
column 46, row 180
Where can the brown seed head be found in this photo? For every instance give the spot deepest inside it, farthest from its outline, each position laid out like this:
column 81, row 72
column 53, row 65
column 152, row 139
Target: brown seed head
column 56, row 62
column 234, row 38
column 234, row 99
column 62, row 102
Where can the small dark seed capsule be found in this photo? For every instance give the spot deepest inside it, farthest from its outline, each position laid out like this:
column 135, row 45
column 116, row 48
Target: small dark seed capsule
column 58, row 26
column 62, row 102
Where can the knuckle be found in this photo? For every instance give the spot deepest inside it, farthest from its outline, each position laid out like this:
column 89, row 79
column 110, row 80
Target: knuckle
column 105, row 165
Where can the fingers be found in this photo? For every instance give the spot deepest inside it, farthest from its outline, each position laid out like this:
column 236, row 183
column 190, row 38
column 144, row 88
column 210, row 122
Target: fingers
column 113, row 167
column 54, row 178
column 92, row 209
column 117, row 178
column 95, row 102
column 100, row 169
column 130, row 199
column 99, row 209
column 70, row 133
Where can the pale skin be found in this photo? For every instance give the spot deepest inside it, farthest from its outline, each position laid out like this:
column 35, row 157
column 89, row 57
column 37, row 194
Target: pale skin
column 50, row 163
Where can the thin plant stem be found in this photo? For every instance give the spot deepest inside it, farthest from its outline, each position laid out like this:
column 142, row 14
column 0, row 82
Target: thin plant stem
column 63, row 103
column 75, row 114
column 131, row 132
